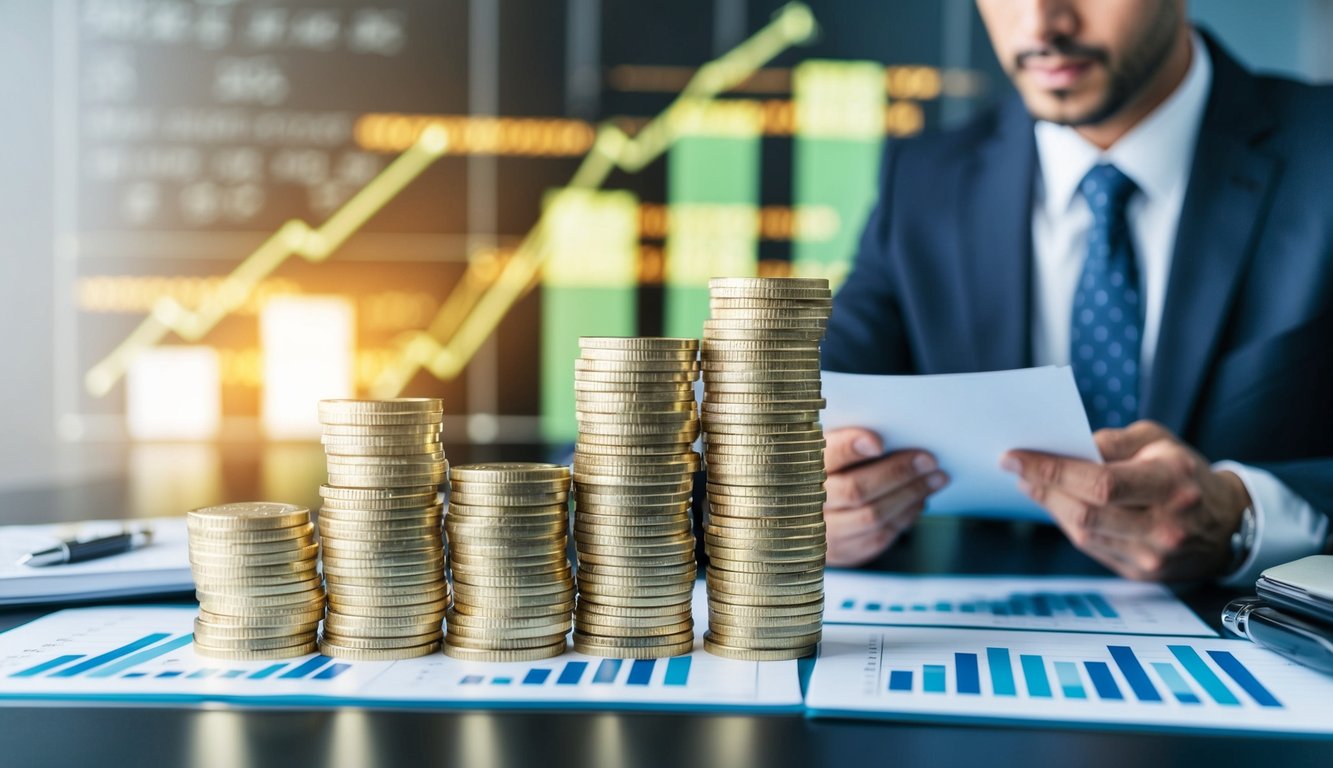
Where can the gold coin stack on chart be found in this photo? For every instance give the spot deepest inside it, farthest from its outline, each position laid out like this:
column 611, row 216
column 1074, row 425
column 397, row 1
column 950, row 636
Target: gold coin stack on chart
column 508, row 528
column 764, row 450
column 254, row 567
column 380, row 528
column 634, row 468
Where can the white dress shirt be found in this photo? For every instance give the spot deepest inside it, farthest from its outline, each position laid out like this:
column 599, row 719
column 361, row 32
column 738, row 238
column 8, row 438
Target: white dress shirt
column 1157, row 155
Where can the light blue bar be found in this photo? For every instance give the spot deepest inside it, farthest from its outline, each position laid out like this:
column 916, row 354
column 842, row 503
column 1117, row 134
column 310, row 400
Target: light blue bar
column 1175, row 682
column 201, row 674
column 332, row 671
column 572, row 673
column 1034, row 672
column 606, row 671
column 171, row 673
column 142, row 656
column 1070, row 682
column 900, row 680
column 267, row 671
column 309, row 666
column 847, row 605
column 229, row 674
column 677, row 671
column 1101, row 606
column 1204, row 676
column 873, row 606
column 135, row 674
column 1232, row 666
column 1079, row 606
column 49, row 664
column 112, row 655
column 1001, row 672
column 471, row 680
column 944, row 607
column 640, row 672
column 932, row 678
column 502, row 680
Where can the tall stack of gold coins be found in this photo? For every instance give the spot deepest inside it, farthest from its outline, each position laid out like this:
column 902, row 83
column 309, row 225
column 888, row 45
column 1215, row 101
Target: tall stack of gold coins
column 508, row 528
column 380, row 528
column 634, row 468
column 764, row 450
column 254, row 567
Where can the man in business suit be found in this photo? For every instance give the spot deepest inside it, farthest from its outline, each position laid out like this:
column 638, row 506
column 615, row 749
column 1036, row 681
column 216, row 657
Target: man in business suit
column 1152, row 214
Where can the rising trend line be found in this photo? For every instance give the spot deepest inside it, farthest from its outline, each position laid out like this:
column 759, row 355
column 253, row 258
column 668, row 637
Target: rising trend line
column 477, row 309
column 294, row 238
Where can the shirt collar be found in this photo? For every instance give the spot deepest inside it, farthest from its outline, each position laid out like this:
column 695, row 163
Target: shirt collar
column 1156, row 154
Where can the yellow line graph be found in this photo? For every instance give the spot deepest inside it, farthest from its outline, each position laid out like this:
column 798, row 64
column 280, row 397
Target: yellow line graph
column 295, row 238
column 478, row 304
column 476, row 309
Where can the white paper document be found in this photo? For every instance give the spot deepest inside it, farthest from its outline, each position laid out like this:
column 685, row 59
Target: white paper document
column 921, row 673
column 162, row 567
column 1051, row 603
column 968, row 421
column 145, row 654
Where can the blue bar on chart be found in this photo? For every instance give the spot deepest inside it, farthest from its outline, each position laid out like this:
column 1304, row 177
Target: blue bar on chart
column 502, row 680
column 606, row 671
column 267, row 672
column 135, row 674
column 142, row 656
column 307, row 667
column 1034, row 672
column 932, row 678
column 111, row 655
column 572, row 673
column 1079, row 606
column 170, row 673
column 1175, row 683
column 640, row 672
column 1070, row 682
column 900, row 680
column 1001, row 672
column 229, row 674
column 536, row 676
column 331, row 671
column 1195, row 666
column 1102, row 680
column 200, row 674
column 48, row 665
column 1237, row 671
column 1100, row 605
column 471, row 680
column 1134, row 673
column 965, row 668
column 1088, row 605
column 677, row 671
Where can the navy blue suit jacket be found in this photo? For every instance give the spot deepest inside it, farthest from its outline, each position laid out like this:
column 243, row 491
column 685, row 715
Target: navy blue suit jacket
column 1244, row 362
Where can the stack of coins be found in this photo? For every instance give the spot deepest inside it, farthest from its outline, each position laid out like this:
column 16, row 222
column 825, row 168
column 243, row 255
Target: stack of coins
column 764, row 450
column 633, row 476
column 508, row 528
column 380, row 528
column 254, row 567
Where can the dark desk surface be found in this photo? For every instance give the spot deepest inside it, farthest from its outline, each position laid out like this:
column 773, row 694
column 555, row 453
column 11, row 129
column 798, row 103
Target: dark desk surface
column 134, row 736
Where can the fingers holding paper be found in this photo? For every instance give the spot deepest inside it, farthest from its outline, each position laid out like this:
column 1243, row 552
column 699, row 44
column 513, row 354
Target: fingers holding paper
column 1154, row 511
column 872, row 498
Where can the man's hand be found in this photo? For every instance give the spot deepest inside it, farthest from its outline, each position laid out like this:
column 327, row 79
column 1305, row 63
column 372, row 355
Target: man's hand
column 1155, row 510
column 872, row 499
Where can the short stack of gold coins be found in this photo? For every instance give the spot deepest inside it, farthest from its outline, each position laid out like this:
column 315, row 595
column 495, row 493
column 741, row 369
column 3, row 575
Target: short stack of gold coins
column 254, row 567
column 383, row 548
column 634, row 468
column 508, row 530
column 764, row 451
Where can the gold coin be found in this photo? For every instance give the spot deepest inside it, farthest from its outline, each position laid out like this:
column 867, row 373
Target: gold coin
column 510, row 472
column 332, row 419
column 401, row 482
column 206, row 632
column 640, row 355
column 767, row 611
column 511, row 611
column 408, row 497
column 358, row 610
column 249, row 515
column 634, row 377
column 507, row 500
column 243, row 655
column 242, row 550
column 584, row 364
column 752, row 654
column 655, row 652
column 207, row 559
column 501, row 643
column 278, row 618
column 381, row 654
column 719, row 285
column 527, row 654
column 260, row 590
column 478, row 488
column 637, row 343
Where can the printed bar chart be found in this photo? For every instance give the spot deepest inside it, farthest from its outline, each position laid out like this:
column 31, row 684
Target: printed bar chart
column 1064, row 677
column 642, row 672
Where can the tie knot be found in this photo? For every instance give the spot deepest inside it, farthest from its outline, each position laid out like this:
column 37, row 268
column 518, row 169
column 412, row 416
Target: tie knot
column 1106, row 188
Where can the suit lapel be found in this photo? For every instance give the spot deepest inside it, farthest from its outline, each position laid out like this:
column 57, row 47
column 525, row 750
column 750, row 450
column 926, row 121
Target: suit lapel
column 1225, row 203
column 996, row 242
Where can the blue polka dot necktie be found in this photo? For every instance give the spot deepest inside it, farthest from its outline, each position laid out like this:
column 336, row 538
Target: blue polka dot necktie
column 1108, row 315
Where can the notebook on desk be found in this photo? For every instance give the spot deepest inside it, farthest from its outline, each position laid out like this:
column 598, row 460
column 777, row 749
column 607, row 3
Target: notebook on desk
column 162, row 567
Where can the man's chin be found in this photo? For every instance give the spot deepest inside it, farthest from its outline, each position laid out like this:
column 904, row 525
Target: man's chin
column 1063, row 108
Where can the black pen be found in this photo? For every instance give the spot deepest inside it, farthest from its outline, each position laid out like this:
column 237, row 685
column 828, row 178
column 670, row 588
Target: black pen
column 75, row 551
column 1287, row 636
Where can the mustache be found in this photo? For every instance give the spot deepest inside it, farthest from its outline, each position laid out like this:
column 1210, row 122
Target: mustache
column 1062, row 46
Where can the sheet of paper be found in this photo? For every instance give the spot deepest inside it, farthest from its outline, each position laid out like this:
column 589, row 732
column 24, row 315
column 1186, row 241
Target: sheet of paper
column 162, row 567
column 145, row 654
column 1053, row 603
column 1077, row 679
column 968, row 420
